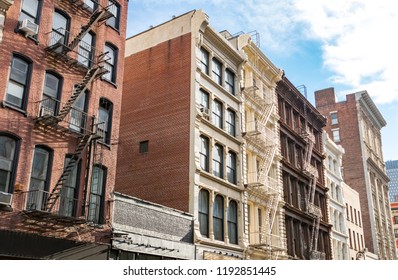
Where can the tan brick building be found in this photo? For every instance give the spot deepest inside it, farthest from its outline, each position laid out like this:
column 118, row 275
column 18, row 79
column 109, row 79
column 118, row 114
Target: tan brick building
column 180, row 138
column 355, row 124
column 60, row 93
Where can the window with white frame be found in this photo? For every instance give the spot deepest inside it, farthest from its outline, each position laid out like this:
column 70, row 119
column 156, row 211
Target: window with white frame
column 336, row 135
column 204, row 60
column 218, row 161
column 333, row 118
column 216, row 71
column 111, row 53
column 218, row 218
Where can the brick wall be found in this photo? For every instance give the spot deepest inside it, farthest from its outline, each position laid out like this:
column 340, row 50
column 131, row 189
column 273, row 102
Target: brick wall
column 156, row 108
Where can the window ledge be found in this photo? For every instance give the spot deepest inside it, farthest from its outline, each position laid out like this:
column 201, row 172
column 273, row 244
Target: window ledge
column 220, row 180
column 109, row 82
column 4, row 104
column 17, row 30
column 112, row 27
column 236, row 97
column 223, row 132
column 108, row 146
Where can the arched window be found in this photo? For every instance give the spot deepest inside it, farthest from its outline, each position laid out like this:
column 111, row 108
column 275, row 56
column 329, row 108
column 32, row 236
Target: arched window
column 97, row 195
column 40, row 178
column 9, row 148
column 203, row 212
column 51, row 94
column 60, row 28
column 233, row 222
column 218, row 218
column 105, row 120
column 111, row 54
column 18, row 83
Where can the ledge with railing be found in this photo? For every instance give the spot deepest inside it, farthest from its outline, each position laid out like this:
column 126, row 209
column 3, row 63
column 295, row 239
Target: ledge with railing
column 255, row 95
column 76, row 121
column 257, row 131
column 266, row 185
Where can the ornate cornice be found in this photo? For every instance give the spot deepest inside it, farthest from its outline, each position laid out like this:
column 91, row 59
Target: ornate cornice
column 5, row 4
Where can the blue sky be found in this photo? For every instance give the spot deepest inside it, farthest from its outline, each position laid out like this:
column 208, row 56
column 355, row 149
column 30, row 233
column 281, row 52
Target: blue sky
column 345, row 44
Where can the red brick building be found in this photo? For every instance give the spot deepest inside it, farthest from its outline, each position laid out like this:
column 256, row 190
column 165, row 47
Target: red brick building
column 60, row 93
column 303, row 175
column 355, row 124
column 180, row 138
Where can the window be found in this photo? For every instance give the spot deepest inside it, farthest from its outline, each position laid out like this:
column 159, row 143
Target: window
column 218, row 114
column 110, row 63
column 260, row 223
column 336, row 135
column 77, row 113
column 60, row 28
column 40, row 178
column 18, row 83
column 90, row 4
column 86, row 50
column 216, row 70
column 396, row 220
column 204, row 153
column 333, row 118
column 347, row 212
column 233, row 222
column 97, row 195
column 230, row 122
column 204, row 103
column 349, row 234
column 144, row 147
column 204, row 60
column 218, row 164
column 51, row 94
column 230, row 81
column 30, row 10
column 69, row 191
column 105, row 120
column 218, row 218
column 231, row 167
column 114, row 9
column 204, row 212
column 359, row 218
column 8, row 160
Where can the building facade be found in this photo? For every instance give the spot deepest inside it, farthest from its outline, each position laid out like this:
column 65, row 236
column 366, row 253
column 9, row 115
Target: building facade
column 337, row 207
column 264, row 222
column 354, row 222
column 304, row 190
column 60, row 105
column 146, row 231
column 394, row 212
column 392, row 173
column 181, row 136
column 355, row 124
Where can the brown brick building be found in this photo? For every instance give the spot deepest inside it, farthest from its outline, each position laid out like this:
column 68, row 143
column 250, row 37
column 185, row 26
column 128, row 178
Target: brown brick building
column 180, row 138
column 60, row 93
column 305, row 193
column 355, row 124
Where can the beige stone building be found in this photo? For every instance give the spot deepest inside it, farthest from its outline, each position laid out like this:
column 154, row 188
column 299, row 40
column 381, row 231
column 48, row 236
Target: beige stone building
column 264, row 222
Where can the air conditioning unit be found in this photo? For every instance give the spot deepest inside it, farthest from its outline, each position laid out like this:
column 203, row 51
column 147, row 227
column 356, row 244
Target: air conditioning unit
column 29, row 27
column 205, row 112
column 5, row 198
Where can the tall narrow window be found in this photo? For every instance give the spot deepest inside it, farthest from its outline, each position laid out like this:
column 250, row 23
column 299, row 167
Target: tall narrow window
column 86, row 50
column 217, row 71
column 105, row 120
column 60, row 29
column 233, row 222
column 204, row 103
column 8, row 157
column 97, row 195
column 260, row 223
column 39, row 179
column 18, row 83
column 230, row 81
column 218, row 218
column 204, row 153
column 231, row 167
column 204, row 212
column 333, row 118
column 51, row 94
column 336, row 135
column 78, row 116
column 230, row 122
column 217, row 114
column 114, row 9
column 69, row 191
column 204, row 61
column 110, row 63
column 218, row 163
column 30, row 10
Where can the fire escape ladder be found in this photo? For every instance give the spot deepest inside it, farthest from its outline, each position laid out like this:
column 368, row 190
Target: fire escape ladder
column 98, row 16
column 90, row 76
column 76, row 156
